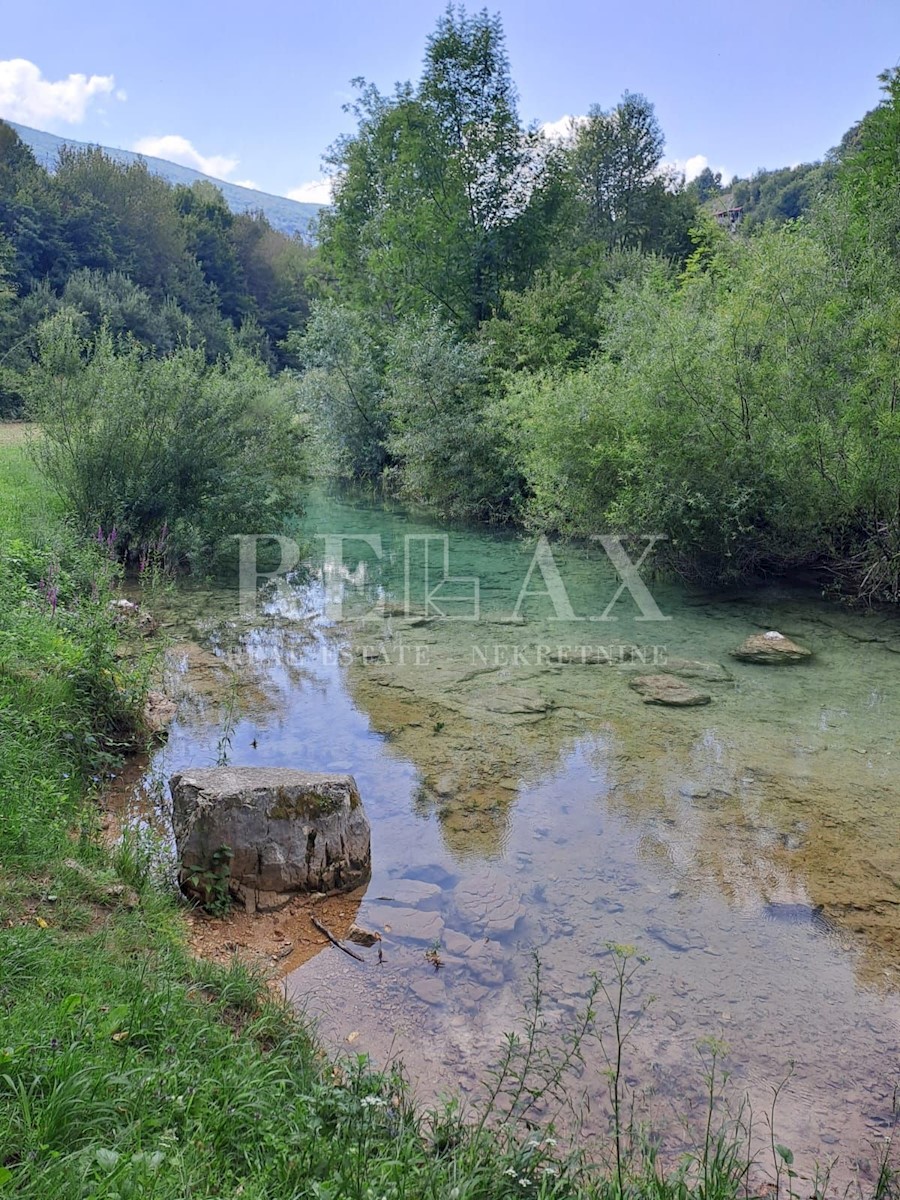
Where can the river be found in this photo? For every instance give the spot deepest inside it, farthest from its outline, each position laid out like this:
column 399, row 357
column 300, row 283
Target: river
column 749, row 848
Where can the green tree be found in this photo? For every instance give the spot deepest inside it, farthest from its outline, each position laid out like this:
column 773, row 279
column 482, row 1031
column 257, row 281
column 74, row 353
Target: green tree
column 441, row 198
column 341, row 386
column 449, row 446
column 707, row 185
column 614, row 159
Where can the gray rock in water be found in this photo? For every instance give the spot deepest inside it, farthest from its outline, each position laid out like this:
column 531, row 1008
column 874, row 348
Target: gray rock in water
column 284, row 830
column 709, row 672
column 489, row 904
column 362, row 936
column 668, row 690
column 771, row 647
column 403, row 922
column 677, row 939
column 159, row 713
column 410, row 891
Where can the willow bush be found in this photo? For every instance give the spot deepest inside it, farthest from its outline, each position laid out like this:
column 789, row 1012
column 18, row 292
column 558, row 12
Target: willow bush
column 168, row 453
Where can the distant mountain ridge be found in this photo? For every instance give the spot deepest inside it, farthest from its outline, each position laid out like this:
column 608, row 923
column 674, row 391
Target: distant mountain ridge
column 288, row 216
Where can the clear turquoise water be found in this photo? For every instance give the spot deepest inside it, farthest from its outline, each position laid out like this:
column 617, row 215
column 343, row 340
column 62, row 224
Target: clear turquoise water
column 749, row 848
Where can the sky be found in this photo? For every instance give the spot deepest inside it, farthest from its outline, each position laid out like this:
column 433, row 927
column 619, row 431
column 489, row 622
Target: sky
column 254, row 92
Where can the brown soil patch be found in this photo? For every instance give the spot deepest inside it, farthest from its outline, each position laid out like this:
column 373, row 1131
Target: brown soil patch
column 278, row 942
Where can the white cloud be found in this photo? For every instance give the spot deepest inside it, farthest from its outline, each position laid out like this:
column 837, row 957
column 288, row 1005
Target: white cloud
column 692, row 167
column 561, row 130
column 317, row 191
column 26, row 96
column 178, row 149
column 247, row 183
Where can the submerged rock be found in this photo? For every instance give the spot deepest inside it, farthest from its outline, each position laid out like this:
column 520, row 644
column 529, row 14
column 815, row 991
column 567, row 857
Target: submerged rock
column 689, row 668
column 362, row 936
column 677, row 939
column 668, row 690
column 410, row 891
column 684, row 668
column 488, row 904
column 159, row 713
column 771, row 647
column 261, row 832
column 402, row 922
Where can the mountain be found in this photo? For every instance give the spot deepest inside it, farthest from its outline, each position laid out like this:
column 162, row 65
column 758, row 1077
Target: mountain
column 288, row 216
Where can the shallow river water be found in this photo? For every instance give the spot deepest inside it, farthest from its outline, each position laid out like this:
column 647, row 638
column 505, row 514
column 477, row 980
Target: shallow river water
column 749, row 848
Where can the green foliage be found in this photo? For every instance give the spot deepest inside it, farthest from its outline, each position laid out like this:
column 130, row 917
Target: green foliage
column 614, row 159
column 747, row 414
column 341, row 387
column 447, row 442
column 707, row 185
column 781, row 195
column 166, row 264
column 615, row 194
column 404, row 404
column 211, row 884
column 440, row 202
column 68, row 704
column 573, row 445
column 560, row 319
column 116, row 302
column 163, row 452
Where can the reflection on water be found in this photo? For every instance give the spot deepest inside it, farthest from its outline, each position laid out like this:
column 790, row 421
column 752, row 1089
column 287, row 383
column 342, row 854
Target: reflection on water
column 750, row 848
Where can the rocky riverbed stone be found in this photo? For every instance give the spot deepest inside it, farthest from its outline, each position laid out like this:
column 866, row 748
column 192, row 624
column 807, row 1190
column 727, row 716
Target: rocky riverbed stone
column 159, row 713
column 284, row 831
column 771, row 647
column 412, row 923
column 488, row 904
column 684, row 668
column 677, row 939
column 409, row 891
column 429, row 990
column 362, row 936
column 668, row 690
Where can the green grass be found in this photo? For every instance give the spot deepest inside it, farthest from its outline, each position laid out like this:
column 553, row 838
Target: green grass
column 129, row 1070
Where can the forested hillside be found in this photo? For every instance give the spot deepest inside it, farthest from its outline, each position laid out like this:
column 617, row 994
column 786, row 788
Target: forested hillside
column 287, row 216
column 557, row 333
column 122, row 247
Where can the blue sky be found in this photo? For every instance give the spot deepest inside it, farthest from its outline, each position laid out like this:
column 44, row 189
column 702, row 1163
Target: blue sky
column 253, row 92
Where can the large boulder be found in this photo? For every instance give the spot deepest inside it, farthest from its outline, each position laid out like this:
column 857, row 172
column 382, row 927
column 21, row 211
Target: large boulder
column 771, row 647
column 266, row 832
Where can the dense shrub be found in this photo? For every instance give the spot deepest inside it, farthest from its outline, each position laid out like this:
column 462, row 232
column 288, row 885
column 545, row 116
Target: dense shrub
column 448, row 441
column 341, row 387
column 169, row 452
column 747, row 412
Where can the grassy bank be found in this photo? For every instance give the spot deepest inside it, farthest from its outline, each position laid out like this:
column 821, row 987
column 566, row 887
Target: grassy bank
column 128, row 1069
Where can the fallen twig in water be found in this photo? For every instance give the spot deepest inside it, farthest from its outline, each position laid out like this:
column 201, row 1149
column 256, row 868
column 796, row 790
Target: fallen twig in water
column 321, row 928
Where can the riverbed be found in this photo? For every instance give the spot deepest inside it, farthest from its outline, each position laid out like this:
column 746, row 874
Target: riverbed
column 524, row 800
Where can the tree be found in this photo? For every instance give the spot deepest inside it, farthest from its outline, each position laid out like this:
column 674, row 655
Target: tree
column 169, row 452
column 438, row 192
column 448, row 445
column 707, row 184
column 614, row 159
column 341, row 387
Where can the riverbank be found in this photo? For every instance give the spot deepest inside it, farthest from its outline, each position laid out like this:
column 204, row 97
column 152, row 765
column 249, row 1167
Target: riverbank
column 128, row 1067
